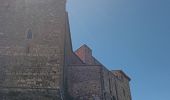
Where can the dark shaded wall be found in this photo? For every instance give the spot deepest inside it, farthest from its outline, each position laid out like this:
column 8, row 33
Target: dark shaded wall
column 122, row 86
column 84, row 82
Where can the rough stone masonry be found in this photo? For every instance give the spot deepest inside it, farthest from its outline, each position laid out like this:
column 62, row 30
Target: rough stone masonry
column 37, row 61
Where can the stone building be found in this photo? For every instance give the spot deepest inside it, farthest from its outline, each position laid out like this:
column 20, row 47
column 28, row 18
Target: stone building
column 93, row 81
column 37, row 61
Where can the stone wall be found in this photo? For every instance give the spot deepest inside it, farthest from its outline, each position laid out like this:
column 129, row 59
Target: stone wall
column 112, row 88
column 29, row 94
column 30, row 71
column 84, row 82
column 122, row 85
column 32, row 42
column 115, row 85
column 45, row 20
column 109, row 89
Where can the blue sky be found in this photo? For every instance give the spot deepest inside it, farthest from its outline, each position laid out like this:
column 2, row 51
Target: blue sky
column 133, row 35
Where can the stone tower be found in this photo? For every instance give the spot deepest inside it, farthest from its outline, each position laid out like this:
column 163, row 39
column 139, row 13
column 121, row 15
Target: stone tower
column 32, row 39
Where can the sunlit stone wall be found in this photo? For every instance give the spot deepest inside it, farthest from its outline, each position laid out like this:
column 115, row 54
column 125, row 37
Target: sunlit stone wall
column 32, row 35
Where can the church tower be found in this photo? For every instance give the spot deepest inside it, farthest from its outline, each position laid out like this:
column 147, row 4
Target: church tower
column 32, row 49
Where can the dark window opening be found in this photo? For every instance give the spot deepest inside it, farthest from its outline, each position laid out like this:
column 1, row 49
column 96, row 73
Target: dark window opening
column 28, row 50
column 29, row 34
column 105, row 96
column 124, row 92
column 113, row 98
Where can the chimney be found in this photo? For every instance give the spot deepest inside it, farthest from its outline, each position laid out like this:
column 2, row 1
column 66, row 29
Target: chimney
column 85, row 54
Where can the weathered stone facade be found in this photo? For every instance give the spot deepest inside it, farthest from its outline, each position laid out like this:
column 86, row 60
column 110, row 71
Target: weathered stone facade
column 93, row 81
column 37, row 61
column 32, row 37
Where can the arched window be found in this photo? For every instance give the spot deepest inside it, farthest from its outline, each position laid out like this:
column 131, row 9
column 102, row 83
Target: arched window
column 29, row 34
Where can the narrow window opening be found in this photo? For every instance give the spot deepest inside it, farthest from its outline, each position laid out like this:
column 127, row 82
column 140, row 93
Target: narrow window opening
column 29, row 34
column 113, row 98
column 124, row 92
column 28, row 50
column 105, row 96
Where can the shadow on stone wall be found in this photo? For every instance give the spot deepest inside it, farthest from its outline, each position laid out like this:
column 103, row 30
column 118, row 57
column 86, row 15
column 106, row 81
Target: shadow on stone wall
column 29, row 95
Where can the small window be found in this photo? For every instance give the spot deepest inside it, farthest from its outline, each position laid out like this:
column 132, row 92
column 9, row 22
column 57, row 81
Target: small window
column 28, row 50
column 29, row 34
column 124, row 92
column 113, row 98
column 105, row 96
